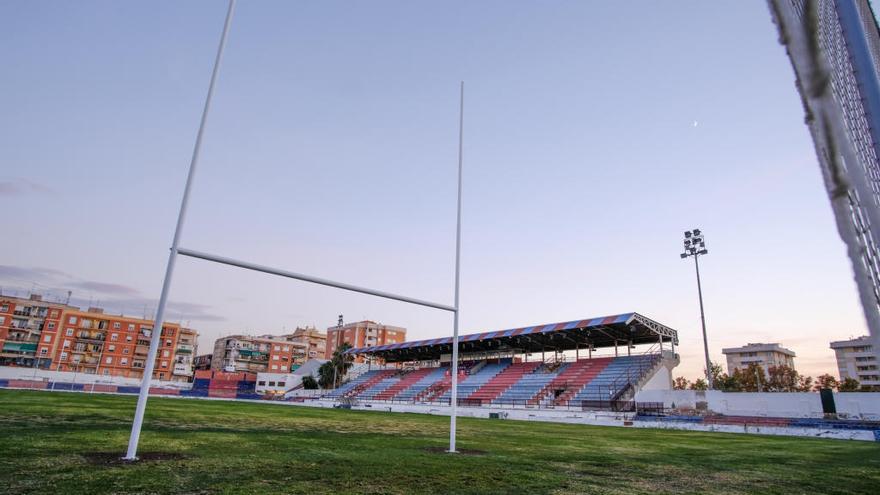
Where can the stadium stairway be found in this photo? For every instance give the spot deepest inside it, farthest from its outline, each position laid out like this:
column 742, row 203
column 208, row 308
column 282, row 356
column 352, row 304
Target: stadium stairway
column 526, row 388
column 370, row 392
column 474, row 381
column 502, row 381
column 417, row 388
column 350, row 385
column 619, row 374
column 372, row 378
column 405, row 382
column 573, row 379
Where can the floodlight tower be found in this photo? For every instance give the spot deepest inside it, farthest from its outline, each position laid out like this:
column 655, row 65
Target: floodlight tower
column 695, row 245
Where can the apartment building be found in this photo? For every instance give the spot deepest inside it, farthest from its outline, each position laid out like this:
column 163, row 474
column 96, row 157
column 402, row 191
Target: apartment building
column 61, row 337
column 202, row 362
column 857, row 358
column 29, row 330
column 258, row 354
column 765, row 355
column 314, row 339
column 363, row 334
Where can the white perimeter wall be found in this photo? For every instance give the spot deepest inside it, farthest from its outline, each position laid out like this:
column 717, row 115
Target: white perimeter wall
column 860, row 405
column 19, row 373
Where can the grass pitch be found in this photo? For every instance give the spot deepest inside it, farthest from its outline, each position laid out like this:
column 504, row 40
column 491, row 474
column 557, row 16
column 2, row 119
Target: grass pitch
column 69, row 442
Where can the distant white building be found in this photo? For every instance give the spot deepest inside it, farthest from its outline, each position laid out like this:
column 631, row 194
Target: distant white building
column 765, row 355
column 857, row 359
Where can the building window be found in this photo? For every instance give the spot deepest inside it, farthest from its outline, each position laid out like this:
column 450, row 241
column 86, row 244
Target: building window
column 167, row 343
column 63, row 355
column 44, row 351
column 274, row 366
column 114, row 337
column 4, row 308
column 66, row 343
column 72, row 320
column 109, row 360
column 164, row 364
column 280, row 384
column 47, row 338
column 262, row 383
column 271, row 384
column 51, row 325
column 69, row 332
column 111, row 348
column 164, row 353
column 131, row 326
column 125, row 350
column 124, row 361
column 277, row 347
column 128, row 338
column 275, row 357
column 54, row 313
column 116, row 325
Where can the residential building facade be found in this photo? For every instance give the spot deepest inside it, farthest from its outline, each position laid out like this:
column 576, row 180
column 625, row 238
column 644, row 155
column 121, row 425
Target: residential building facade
column 258, row 354
column 857, row 359
column 363, row 334
column 65, row 338
column 765, row 355
column 314, row 339
column 29, row 330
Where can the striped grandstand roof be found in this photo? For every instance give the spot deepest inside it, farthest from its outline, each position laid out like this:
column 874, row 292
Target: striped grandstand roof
column 625, row 325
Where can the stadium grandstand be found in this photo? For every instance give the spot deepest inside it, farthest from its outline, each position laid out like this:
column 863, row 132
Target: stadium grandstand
column 596, row 363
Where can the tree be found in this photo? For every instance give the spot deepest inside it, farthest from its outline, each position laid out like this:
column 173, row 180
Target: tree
column 680, row 383
column 825, row 381
column 700, row 384
column 331, row 373
column 805, row 384
column 782, row 378
column 751, row 378
column 309, row 382
column 848, row 384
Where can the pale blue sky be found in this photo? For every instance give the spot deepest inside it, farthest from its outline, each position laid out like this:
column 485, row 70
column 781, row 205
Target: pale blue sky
column 332, row 145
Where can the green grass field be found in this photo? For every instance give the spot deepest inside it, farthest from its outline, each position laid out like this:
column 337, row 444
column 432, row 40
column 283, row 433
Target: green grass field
column 68, row 443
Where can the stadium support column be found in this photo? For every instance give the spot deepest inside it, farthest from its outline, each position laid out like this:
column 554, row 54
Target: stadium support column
column 454, row 395
column 131, row 454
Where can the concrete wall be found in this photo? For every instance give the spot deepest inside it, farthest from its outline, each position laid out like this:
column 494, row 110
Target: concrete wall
column 19, row 373
column 863, row 405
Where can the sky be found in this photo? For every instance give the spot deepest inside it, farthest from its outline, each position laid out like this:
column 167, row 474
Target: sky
column 596, row 133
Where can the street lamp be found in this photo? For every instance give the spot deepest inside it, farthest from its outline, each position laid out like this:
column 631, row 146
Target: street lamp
column 695, row 245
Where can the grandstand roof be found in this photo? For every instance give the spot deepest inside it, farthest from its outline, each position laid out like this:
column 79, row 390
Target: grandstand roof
column 606, row 331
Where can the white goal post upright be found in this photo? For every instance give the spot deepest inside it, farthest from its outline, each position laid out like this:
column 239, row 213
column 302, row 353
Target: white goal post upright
column 155, row 340
column 156, row 337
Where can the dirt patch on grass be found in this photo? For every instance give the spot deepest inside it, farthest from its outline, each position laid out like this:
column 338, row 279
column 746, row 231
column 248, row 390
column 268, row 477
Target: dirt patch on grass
column 115, row 458
column 443, row 450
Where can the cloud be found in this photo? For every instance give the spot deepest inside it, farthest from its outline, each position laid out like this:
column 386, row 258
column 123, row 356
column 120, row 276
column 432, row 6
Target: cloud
column 20, row 187
column 105, row 288
column 33, row 274
column 114, row 298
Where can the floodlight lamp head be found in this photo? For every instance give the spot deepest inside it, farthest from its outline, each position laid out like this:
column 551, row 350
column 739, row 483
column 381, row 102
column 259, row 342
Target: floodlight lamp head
column 687, row 234
column 696, row 232
column 704, row 251
column 684, row 255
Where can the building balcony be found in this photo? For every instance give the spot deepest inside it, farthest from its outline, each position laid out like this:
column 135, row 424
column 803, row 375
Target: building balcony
column 184, row 349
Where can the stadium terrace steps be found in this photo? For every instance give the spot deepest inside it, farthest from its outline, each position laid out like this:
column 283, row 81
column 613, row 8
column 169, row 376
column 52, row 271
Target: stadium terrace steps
column 502, row 381
column 416, row 389
column 405, row 382
column 616, row 376
column 470, row 383
column 373, row 379
column 574, row 378
column 528, row 386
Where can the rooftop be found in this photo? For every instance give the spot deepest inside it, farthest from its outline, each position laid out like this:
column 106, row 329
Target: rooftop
column 759, row 347
column 606, row 331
